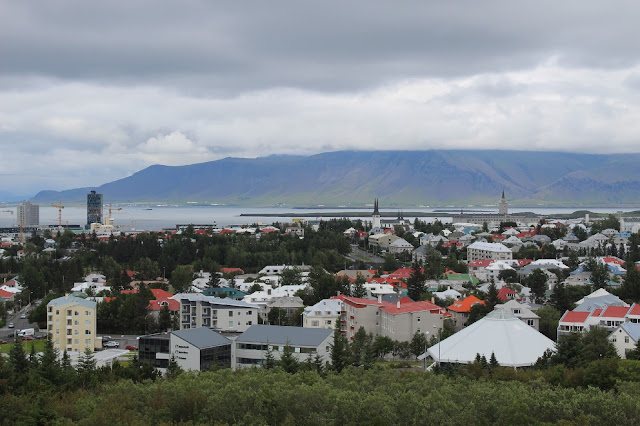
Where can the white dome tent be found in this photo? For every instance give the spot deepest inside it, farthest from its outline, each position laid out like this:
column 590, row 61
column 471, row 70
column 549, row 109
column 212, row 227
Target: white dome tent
column 514, row 343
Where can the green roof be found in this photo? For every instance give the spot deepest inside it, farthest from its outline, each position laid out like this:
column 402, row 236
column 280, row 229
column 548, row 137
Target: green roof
column 219, row 291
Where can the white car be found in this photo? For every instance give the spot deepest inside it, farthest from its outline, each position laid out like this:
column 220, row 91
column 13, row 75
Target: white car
column 23, row 316
column 111, row 344
column 10, row 325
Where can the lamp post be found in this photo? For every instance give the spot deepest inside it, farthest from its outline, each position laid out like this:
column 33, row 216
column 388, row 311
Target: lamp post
column 426, row 344
column 439, row 337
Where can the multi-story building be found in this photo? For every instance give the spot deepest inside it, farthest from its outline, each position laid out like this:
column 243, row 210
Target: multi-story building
column 194, row 349
column 323, row 314
column 495, row 251
column 461, row 309
column 28, row 214
column 251, row 347
column 399, row 320
column 71, row 323
column 94, row 208
column 218, row 314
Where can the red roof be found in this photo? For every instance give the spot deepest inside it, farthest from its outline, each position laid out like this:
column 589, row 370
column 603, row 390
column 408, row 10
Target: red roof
column 464, row 305
column 131, row 273
column 159, row 293
column 575, row 316
column 360, row 303
column 615, row 312
column 10, row 283
column 498, row 237
column 389, row 231
column 411, row 307
column 635, row 309
column 526, row 234
column 612, row 259
column 524, row 262
column 5, row 294
column 505, row 292
column 231, row 270
column 227, row 231
column 157, row 305
column 268, row 230
column 401, row 273
column 481, row 263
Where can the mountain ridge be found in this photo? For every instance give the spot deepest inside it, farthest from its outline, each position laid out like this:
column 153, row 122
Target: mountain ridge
column 409, row 178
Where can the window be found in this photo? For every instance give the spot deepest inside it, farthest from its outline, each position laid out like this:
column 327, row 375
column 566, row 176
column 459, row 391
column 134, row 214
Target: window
column 87, row 313
column 315, row 323
column 230, row 313
column 57, row 322
column 516, row 311
column 329, row 322
column 230, row 323
column 87, row 322
column 87, row 341
column 87, row 332
column 626, row 339
column 530, row 322
column 77, row 332
column 77, row 341
column 76, row 313
column 58, row 331
column 76, row 322
column 248, row 312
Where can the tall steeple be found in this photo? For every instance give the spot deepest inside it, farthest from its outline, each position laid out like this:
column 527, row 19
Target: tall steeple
column 503, row 207
column 375, row 218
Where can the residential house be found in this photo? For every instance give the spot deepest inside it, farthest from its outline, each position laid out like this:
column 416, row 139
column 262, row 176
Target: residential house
column 251, row 347
column 291, row 305
column 522, row 312
column 400, row 321
column 399, row 246
column 625, row 338
column 323, row 314
column 460, row 310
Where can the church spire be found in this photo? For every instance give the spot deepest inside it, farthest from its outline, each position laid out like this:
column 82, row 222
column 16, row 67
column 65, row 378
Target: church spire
column 503, row 194
column 375, row 208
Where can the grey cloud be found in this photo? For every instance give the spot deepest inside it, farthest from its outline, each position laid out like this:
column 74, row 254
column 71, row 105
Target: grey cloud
column 330, row 45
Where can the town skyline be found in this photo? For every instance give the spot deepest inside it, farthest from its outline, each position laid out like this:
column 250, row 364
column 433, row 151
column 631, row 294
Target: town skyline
column 94, row 93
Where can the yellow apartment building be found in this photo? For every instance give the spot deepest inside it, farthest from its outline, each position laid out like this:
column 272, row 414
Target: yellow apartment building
column 71, row 323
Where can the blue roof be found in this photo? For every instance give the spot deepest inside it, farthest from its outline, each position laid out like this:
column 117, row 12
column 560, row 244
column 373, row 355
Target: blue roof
column 632, row 330
column 67, row 300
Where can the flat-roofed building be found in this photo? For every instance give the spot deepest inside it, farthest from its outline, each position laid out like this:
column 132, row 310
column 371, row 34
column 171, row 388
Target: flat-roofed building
column 218, row 314
column 71, row 323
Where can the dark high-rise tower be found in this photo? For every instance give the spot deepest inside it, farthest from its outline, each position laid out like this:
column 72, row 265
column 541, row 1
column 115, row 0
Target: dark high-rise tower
column 94, row 208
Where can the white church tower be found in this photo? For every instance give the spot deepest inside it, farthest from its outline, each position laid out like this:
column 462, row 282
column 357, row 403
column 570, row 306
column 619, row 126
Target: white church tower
column 375, row 218
column 503, row 207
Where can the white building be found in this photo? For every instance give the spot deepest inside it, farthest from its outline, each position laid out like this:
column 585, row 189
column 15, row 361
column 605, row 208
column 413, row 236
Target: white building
column 323, row 314
column 496, row 251
column 625, row 338
column 228, row 315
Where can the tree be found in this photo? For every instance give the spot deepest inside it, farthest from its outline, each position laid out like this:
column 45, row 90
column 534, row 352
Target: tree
column 362, row 351
column 492, row 298
column 339, row 350
column 287, row 361
column 358, row 287
column 164, row 318
column 18, row 361
column 269, row 359
column 277, row 316
column 418, row 343
column 290, row 276
column 181, row 278
column 559, row 298
column 537, row 282
column 87, row 369
column 147, row 269
column 173, row 369
column 382, row 345
column 477, row 312
column 630, row 288
column 415, row 282
column 509, row 276
column 390, row 263
column 549, row 318
column 50, row 369
column 493, row 361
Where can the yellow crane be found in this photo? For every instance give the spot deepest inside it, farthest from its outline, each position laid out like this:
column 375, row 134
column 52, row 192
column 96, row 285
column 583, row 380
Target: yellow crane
column 110, row 209
column 60, row 207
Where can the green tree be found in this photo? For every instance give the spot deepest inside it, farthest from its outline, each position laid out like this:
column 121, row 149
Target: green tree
column 492, row 298
column 509, row 276
column 290, row 276
column 269, row 358
column 277, row 316
column 173, row 369
column 18, row 361
column 559, row 298
column 390, row 263
column 181, row 278
column 147, row 269
column 418, row 344
column 164, row 318
column 415, row 282
column 50, row 369
column 339, row 350
column 537, row 282
column 287, row 361
column 362, row 350
column 549, row 319
column 358, row 287
column 477, row 312
column 87, row 369
column 382, row 346
column 630, row 288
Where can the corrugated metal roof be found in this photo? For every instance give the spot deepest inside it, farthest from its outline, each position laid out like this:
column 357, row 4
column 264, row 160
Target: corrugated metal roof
column 66, row 300
column 281, row 335
column 201, row 337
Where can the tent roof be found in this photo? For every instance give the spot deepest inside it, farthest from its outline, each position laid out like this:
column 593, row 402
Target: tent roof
column 514, row 343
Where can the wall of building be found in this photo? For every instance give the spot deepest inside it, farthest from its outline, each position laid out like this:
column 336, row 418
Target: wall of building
column 72, row 327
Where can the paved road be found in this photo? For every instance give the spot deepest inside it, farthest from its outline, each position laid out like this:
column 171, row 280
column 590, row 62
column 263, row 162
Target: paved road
column 357, row 255
column 19, row 324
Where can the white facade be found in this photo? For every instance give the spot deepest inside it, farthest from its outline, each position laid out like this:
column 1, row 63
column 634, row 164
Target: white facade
column 496, row 251
column 323, row 314
column 218, row 314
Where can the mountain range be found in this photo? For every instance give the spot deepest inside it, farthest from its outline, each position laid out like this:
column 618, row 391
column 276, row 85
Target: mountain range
column 397, row 178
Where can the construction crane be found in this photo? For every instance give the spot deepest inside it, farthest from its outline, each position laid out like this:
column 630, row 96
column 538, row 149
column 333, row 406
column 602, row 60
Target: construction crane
column 60, row 207
column 110, row 209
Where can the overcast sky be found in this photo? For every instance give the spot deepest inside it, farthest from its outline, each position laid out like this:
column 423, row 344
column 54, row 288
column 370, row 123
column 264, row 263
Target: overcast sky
column 91, row 92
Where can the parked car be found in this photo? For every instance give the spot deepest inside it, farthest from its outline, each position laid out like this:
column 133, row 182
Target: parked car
column 131, row 348
column 111, row 344
column 11, row 325
column 25, row 338
column 106, row 338
column 23, row 316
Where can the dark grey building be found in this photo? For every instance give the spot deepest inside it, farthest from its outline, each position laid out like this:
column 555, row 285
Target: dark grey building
column 154, row 349
column 94, row 208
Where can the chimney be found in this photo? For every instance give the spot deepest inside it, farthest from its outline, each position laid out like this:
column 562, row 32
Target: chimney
column 379, row 298
column 398, row 304
column 433, row 299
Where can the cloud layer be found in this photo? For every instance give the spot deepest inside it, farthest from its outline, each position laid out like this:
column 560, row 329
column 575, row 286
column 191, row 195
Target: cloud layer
column 94, row 92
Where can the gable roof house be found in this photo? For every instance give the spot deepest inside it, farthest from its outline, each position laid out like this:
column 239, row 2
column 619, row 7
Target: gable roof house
column 460, row 310
column 625, row 338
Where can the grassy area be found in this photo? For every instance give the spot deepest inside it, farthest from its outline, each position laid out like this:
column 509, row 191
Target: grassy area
column 38, row 344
